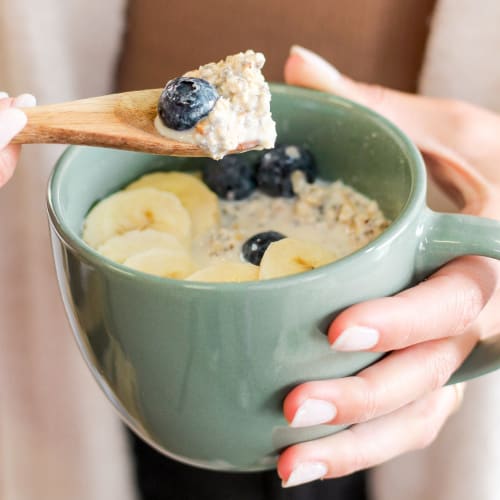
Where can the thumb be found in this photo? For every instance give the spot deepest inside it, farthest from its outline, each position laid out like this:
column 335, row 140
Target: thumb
column 12, row 121
column 305, row 68
column 411, row 113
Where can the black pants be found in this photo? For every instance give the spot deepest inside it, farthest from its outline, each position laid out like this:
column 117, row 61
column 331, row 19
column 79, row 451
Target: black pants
column 160, row 478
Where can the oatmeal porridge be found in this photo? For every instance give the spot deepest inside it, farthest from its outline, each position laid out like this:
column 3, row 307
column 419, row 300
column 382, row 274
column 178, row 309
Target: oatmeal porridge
column 332, row 215
column 234, row 221
column 219, row 106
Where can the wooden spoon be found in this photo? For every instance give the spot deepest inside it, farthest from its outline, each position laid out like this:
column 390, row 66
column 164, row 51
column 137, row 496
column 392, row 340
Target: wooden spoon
column 121, row 121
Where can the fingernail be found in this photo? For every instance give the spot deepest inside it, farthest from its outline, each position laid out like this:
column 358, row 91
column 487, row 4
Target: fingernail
column 305, row 473
column 314, row 412
column 3, row 95
column 12, row 121
column 356, row 338
column 25, row 101
column 317, row 61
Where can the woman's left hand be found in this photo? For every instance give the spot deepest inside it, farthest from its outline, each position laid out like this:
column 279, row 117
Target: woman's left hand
column 12, row 121
column 400, row 403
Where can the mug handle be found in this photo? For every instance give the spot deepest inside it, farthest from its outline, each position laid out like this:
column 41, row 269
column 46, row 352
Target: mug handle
column 443, row 237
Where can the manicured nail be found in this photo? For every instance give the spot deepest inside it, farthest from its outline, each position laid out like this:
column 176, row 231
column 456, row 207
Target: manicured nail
column 3, row 95
column 317, row 61
column 12, row 121
column 305, row 473
column 314, row 412
column 356, row 338
column 25, row 101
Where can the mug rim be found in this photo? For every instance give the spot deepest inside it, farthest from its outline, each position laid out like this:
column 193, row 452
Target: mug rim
column 411, row 208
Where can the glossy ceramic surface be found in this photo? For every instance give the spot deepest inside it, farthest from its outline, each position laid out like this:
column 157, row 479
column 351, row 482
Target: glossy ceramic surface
column 200, row 370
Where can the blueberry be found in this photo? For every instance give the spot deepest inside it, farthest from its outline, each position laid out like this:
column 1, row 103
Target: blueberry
column 253, row 249
column 276, row 167
column 185, row 101
column 232, row 178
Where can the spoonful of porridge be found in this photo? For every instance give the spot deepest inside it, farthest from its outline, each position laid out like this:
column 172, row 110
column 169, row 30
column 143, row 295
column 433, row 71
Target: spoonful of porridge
column 218, row 109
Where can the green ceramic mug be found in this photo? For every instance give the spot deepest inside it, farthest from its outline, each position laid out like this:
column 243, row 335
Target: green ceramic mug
column 199, row 370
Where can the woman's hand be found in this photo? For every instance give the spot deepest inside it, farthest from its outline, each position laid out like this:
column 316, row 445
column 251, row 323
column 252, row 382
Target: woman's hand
column 12, row 121
column 399, row 404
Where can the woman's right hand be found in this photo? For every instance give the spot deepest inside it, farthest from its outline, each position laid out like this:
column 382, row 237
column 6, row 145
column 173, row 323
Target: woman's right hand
column 12, row 121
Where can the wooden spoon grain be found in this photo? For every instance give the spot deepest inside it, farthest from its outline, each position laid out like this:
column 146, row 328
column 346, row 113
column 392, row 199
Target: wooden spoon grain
column 121, row 121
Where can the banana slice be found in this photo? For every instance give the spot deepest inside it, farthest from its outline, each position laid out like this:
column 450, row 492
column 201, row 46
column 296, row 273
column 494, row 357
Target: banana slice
column 201, row 203
column 163, row 262
column 145, row 208
column 226, row 272
column 120, row 248
column 292, row 256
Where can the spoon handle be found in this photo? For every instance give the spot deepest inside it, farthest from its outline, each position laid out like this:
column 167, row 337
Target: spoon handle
column 121, row 121
column 87, row 121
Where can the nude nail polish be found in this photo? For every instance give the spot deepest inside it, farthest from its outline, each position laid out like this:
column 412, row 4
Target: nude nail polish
column 356, row 338
column 25, row 101
column 305, row 473
column 314, row 412
column 316, row 61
